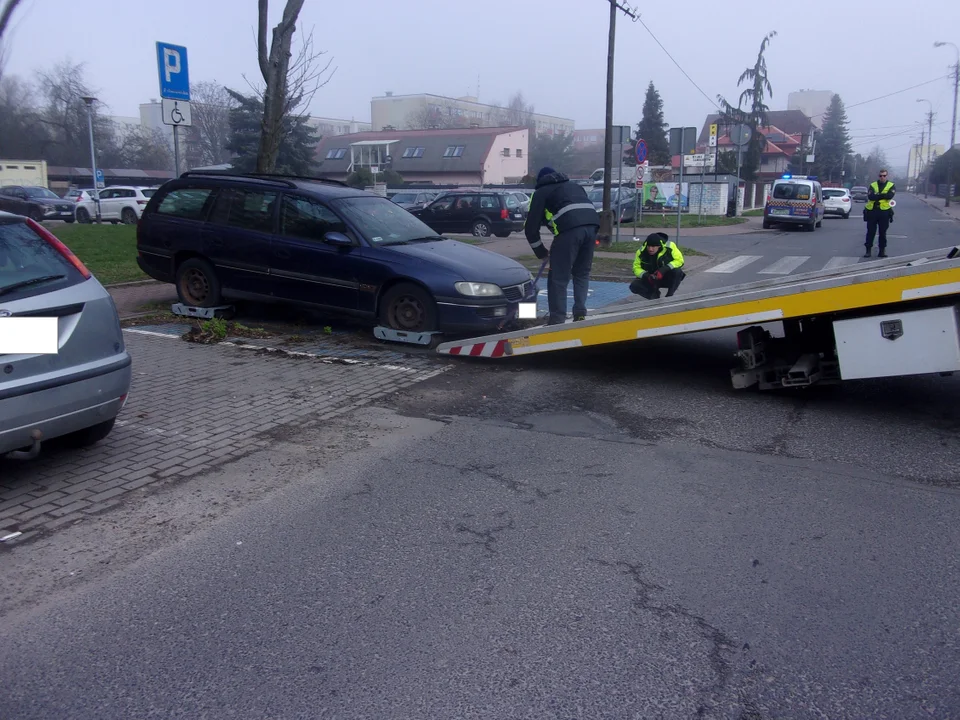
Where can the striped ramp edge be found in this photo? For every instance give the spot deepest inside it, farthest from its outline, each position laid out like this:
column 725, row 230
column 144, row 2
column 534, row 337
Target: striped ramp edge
column 494, row 348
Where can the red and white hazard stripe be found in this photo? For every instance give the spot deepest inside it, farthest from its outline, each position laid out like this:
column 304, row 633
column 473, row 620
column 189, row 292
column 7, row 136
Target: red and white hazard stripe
column 494, row 348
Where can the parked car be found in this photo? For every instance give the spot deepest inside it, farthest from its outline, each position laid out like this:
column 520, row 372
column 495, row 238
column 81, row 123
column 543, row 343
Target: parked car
column 794, row 200
column 324, row 245
column 858, row 193
column 478, row 212
column 626, row 196
column 413, row 200
column 119, row 203
column 836, row 201
column 37, row 203
column 77, row 393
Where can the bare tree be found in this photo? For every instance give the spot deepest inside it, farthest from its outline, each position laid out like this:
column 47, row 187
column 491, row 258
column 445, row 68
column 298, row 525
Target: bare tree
column 209, row 136
column 289, row 83
column 518, row 112
column 6, row 13
column 144, row 148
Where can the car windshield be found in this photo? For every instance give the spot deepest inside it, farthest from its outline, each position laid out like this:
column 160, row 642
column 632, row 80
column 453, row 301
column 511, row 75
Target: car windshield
column 38, row 192
column 791, row 191
column 382, row 222
column 148, row 192
column 859, row 188
column 834, row 193
column 404, row 197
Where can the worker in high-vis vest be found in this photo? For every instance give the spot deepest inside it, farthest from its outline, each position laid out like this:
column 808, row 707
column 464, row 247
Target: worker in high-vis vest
column 878, row 212
column 657, row 265
column 573, row 221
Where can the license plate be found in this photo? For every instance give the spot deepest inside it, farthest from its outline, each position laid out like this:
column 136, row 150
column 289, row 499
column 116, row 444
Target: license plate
column 518, row 216
column 780, row 211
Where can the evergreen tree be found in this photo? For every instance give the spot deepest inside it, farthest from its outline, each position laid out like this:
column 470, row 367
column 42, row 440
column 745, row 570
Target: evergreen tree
column 833, row 147
column 754, row 115
column 652, row 130
column 297, row 145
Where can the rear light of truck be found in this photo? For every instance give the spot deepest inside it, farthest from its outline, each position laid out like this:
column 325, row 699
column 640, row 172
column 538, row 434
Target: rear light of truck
column 59, row 247
column 504, row 215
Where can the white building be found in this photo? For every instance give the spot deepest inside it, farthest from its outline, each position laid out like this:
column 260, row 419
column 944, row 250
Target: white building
column 917, row 158
column 335, row 126
column 412, row 112
column 813, row 103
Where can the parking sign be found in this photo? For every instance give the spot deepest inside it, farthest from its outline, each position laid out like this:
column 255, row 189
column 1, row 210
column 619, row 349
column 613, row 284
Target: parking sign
column 172, row 66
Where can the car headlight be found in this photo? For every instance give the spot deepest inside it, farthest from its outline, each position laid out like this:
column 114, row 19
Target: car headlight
column 474, row 289
column 49, row 210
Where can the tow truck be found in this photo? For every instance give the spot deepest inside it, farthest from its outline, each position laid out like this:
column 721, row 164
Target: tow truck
column 882, row 318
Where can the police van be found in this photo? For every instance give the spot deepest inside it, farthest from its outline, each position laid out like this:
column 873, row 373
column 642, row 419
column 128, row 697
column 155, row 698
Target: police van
column 794, row 200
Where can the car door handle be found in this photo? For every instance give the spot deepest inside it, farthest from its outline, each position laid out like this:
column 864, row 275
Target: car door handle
column 282, row 254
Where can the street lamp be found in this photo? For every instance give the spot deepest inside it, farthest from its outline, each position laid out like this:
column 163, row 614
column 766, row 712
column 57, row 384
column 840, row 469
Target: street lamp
column 953, row 125
column 93, row 155
column 926, row 183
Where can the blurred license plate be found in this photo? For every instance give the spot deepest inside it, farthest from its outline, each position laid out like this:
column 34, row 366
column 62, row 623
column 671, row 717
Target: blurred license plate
column 780, row 211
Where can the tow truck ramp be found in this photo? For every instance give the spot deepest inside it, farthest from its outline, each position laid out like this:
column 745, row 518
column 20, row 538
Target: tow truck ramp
column 881, row 318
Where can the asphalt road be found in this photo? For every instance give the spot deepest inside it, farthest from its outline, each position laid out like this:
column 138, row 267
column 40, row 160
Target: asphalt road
column 781, row 252
column 610, row 533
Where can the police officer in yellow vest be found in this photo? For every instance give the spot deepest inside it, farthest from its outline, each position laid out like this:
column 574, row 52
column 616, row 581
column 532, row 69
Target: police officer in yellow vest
column 658, row 264
column 566, row 210
column 878, row 212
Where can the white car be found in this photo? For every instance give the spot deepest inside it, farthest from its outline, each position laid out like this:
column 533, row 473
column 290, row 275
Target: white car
column 118, row 203
column 837, row 201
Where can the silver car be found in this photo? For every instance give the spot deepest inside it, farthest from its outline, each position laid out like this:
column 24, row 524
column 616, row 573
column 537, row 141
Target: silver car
column 76, row 393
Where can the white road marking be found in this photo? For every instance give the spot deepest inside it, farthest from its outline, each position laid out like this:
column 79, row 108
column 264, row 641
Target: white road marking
column 940, row 220
column 839, row 262
column 785, row 265
column 731, row 266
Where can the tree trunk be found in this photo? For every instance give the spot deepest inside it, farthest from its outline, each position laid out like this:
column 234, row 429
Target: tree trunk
column 274, row 67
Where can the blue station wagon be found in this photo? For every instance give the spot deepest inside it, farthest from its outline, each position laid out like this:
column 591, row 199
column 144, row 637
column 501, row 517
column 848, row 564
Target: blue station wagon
column 321, row 244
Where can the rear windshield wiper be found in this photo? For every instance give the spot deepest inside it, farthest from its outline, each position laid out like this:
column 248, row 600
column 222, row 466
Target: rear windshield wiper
column 31, row 281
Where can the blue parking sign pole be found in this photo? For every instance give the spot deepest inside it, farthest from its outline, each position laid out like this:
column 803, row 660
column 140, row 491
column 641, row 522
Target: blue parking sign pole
column 174, row 84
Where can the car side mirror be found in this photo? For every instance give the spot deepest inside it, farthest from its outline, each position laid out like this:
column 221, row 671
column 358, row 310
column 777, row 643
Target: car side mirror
column 337, row 239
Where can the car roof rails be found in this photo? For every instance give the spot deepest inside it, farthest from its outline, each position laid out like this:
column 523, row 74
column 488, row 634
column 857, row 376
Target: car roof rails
column 286, row 179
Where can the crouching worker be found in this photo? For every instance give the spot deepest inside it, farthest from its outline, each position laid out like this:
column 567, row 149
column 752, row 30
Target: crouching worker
column 658, row 264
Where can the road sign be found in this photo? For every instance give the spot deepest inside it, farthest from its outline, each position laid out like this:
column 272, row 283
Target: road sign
column 641, row 150
column 699, row 160
column 639, row 183
column 176, row 112
column 99, row 179
column 174, row 76
column 713, row 135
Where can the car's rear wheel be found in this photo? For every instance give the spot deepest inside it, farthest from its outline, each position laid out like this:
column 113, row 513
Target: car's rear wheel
column 481, row 228
column 89, row 436
column 408, row 308
column 83, row 216
column 810, row 226
column 129, row 216
column 36, row 215
column 846, row 216
column 502, row 234
column 767, row 224
column 820, row 222
column 197, row 283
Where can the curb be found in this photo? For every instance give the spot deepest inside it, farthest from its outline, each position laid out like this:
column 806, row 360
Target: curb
column 132, row 283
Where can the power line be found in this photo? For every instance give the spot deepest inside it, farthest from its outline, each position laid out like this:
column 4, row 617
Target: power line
column 657, row 41
column 883, row 97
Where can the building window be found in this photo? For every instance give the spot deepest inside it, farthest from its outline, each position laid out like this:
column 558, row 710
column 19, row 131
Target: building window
column 519, row 153
column 413, row 152
column 453, row 151
column 336, row 153
column 506, row 152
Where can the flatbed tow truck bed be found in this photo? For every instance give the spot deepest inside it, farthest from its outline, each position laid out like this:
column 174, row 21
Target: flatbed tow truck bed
column 882, row 318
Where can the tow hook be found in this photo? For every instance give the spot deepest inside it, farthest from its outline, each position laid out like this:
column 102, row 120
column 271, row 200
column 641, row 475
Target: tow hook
column 34, row 450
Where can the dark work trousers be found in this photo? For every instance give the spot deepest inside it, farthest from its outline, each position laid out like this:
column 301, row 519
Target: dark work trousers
column 671, row 281
column 877, row 220
column 571, row 255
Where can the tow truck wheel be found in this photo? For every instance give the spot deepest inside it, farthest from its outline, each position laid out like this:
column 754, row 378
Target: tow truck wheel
column 409, row 308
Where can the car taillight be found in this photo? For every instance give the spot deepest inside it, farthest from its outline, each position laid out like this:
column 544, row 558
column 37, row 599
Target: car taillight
column 142, row 202
column 59, row 247
column 504, row 214
column 846, row 199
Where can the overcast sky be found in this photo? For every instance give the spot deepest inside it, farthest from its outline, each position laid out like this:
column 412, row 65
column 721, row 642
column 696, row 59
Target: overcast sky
column 554, row 51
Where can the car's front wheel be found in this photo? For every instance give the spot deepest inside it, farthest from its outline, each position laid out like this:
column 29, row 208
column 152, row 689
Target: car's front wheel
column 481, row 228
column 408, row 308
column 83, row 217
column 197, row 283
column 129, row 216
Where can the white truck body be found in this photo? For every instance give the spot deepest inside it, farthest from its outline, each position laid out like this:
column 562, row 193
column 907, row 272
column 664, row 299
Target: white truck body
column 31, row 173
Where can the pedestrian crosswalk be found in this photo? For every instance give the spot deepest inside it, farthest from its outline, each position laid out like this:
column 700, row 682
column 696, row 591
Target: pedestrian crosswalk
column 781, row 266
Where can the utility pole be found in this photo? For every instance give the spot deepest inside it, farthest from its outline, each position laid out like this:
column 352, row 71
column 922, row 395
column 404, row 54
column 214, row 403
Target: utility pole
column 606, row 216
column 920, row 154
column 953, row 125
column 926, row 182
column 93, row 155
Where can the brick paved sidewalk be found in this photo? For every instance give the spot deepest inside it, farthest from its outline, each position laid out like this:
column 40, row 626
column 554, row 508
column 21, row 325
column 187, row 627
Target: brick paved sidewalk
column 191, row 408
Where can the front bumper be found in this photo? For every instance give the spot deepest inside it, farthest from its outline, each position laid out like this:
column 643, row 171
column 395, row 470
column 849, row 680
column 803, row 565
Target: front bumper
column 465, row 314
